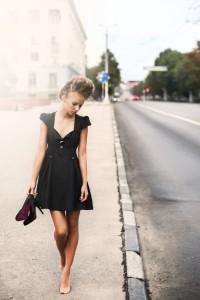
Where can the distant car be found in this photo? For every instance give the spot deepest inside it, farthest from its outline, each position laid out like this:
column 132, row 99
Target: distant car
column 135, row 97
column 115, row 97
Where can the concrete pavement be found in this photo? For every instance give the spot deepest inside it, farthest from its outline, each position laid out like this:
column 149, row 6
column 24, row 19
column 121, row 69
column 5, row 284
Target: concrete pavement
column 29, row 260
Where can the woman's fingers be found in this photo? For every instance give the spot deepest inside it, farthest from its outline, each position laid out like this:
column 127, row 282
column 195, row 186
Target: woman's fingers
column 31, row 190
column 84, row 194
column 81, row 197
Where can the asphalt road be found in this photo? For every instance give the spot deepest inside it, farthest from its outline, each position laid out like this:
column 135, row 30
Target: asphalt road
column 161, row 149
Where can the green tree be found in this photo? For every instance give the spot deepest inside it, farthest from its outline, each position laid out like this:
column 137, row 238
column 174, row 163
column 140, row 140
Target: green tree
column 92, row 74
column 138, row 89
column 114, row 73
column 187, row 74
column 158, row 81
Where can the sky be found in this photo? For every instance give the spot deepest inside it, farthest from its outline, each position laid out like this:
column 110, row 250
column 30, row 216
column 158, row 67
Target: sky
column 138, row 30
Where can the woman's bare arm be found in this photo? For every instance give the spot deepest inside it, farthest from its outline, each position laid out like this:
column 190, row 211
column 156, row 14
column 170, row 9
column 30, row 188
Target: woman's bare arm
column 82, row 154
column 39, row 156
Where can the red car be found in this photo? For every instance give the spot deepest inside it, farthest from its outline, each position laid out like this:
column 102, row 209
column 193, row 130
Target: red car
column 135, row 97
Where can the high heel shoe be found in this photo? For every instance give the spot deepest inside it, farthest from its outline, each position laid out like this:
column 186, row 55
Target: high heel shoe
column 24, row 211
column 28, row 210
column 36, row 204
column 65, row 290
column 32, row 216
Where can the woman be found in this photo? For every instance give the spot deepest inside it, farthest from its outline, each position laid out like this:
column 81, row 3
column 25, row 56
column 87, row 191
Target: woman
column 62, row 185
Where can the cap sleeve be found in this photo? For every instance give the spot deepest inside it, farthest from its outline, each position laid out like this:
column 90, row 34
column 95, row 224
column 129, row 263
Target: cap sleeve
column 45, row 118
column 85, row 122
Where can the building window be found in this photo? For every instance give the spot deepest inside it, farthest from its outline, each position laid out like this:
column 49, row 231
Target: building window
column 34, row 56
column 53, row 80
column 34, row 16
column 54, row 16
column 12, row 78
column 53, row 40
column 54, row 49
column 32, row 80
column 34, row 40
column 12, row 16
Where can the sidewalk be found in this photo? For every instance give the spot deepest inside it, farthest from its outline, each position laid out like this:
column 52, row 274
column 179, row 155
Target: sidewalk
column 29, row 259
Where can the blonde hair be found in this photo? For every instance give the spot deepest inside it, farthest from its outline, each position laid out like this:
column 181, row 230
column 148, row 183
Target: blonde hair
column 80, row 84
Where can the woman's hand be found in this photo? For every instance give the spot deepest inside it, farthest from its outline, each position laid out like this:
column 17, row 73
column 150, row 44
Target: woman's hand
column 31, row 188
column 84, row 192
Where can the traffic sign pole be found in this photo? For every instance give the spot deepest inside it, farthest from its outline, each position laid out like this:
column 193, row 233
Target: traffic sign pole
column 103, row 77
column 106, row 98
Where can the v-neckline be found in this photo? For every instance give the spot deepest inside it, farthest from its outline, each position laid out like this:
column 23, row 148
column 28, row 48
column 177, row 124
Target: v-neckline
column 56, row 129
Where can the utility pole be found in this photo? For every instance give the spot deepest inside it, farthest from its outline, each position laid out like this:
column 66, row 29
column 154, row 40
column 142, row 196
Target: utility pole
column 106, row 76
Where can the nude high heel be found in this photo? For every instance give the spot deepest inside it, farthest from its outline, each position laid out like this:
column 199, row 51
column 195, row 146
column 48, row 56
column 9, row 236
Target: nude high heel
column 65, row 290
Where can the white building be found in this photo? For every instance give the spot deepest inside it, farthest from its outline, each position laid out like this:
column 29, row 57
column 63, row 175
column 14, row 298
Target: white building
column 42, row 46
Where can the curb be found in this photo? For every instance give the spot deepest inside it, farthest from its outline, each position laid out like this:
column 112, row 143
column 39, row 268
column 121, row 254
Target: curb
column 134, row 274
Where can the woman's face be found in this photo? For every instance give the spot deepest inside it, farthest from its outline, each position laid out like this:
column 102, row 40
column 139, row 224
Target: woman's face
column 72, row 102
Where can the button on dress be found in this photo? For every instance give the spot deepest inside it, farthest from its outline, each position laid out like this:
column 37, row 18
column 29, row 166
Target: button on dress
column 59, row 181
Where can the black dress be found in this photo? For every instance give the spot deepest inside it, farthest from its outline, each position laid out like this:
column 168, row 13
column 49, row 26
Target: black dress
column 59, row 181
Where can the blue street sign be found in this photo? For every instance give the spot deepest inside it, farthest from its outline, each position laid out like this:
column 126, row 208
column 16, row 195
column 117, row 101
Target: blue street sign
column 103, row 77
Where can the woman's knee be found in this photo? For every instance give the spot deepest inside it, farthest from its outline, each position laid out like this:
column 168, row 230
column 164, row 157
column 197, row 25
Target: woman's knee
column 61, row 233
column 60, row 224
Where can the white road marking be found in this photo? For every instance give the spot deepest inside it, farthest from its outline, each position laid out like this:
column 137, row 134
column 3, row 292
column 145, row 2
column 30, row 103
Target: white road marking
column 170, row 115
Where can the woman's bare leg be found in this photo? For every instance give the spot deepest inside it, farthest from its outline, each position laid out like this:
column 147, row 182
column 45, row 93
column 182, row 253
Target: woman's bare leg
column 61, row 232
column 71, row 245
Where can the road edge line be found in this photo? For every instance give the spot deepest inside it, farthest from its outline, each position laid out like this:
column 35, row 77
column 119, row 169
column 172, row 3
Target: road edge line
column 168, row 114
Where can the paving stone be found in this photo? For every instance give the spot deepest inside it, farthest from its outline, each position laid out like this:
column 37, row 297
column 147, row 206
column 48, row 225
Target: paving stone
column 127, row 206
column 124, row 189
column 134, row 265
column 129, row 218
column 126, row 197
column 136, row 289
column 122, row 200
column 131, row 240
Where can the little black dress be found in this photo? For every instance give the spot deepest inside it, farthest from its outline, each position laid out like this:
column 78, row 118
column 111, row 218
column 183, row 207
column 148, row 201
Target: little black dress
column 59, row 181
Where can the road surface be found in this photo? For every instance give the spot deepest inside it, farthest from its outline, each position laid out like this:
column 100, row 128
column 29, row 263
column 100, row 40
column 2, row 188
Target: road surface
column 161, row 148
